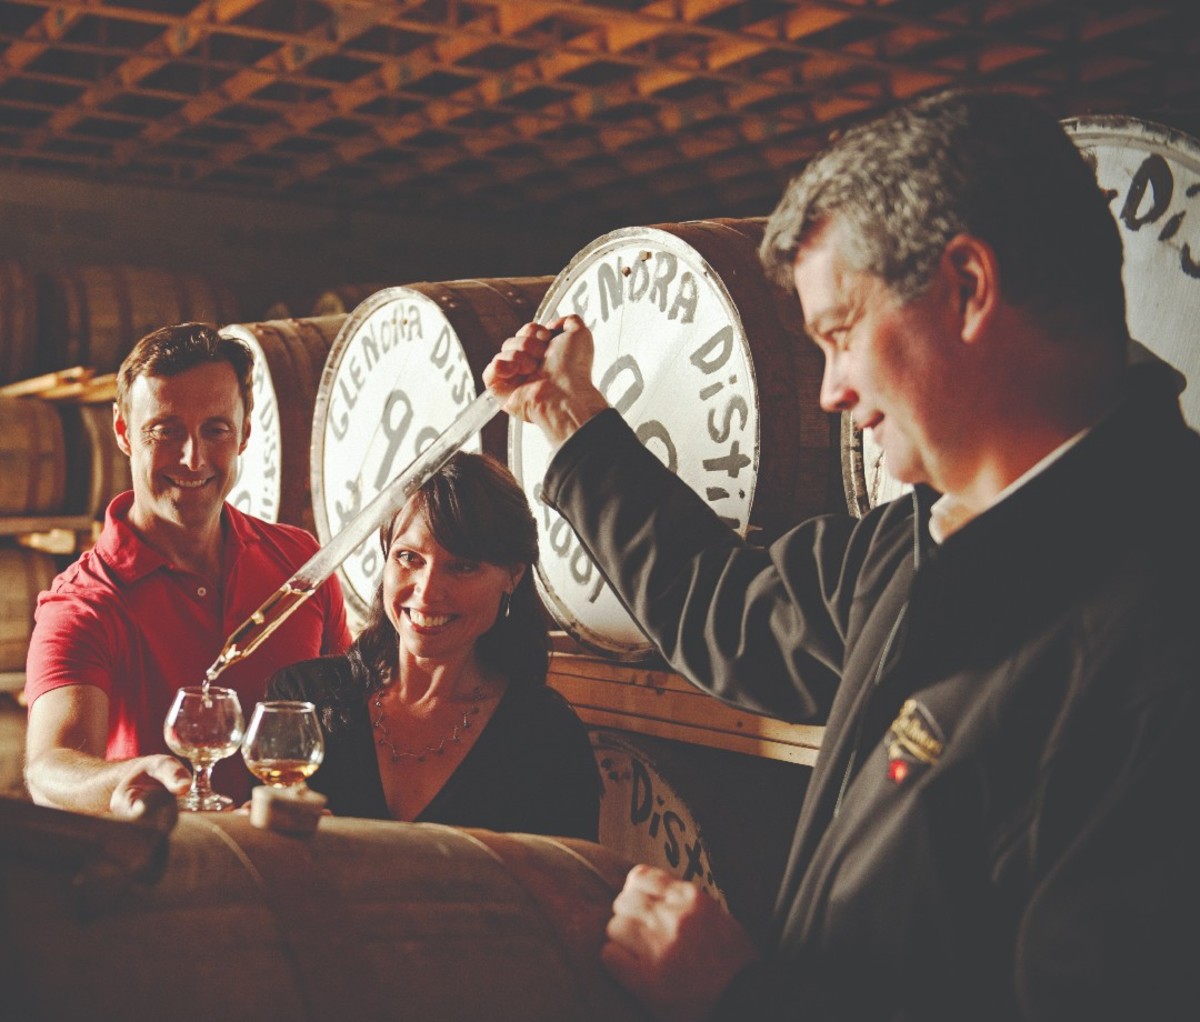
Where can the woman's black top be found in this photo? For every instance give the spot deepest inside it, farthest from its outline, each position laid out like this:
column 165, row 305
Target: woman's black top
column 531, row 771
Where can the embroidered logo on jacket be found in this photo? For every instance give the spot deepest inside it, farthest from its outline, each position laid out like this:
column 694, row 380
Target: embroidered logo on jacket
column 913, row 739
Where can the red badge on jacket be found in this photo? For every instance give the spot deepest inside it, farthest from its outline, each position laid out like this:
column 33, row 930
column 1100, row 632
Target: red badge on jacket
column 914, row 742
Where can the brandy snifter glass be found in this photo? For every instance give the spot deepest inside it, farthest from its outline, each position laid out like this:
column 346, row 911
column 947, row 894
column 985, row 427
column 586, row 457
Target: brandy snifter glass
column 283, row 745
column 204, row 725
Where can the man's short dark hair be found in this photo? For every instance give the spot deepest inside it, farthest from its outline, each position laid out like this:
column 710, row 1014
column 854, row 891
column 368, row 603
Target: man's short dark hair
column 171, row 350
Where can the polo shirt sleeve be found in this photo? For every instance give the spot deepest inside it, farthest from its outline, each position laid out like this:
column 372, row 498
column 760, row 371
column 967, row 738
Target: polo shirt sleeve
column 73, row 643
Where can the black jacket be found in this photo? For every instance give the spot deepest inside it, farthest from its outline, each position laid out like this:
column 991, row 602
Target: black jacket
column 1001, row 822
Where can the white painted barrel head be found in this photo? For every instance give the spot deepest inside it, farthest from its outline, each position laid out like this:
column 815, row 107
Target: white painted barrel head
column 256, row 491
column 643, row 815
column 273, row 472
column 1151, row 174
column 396, row 377
column 673, row 357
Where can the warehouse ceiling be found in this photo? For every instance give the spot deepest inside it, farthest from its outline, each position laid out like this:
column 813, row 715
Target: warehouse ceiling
column 588, row 111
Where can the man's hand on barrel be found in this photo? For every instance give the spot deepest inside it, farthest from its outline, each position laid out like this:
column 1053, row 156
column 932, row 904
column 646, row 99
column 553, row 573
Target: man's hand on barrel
column 144, row 783
column 543, row 374
column 673, row 946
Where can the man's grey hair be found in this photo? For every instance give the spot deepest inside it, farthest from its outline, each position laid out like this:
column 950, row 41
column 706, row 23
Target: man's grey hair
column 994, row 165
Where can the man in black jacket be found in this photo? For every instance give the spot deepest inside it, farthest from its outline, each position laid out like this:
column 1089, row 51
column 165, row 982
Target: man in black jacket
column 1001, row 824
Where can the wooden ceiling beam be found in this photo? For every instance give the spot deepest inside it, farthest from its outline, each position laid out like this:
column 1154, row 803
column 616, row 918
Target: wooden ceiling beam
column 555, row 96
column 48, row 29
column 179, row 37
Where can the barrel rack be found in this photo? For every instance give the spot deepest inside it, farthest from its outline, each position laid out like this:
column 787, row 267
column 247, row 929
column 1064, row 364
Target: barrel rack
column 651, row 700
column 61, row 535
column 66, row 533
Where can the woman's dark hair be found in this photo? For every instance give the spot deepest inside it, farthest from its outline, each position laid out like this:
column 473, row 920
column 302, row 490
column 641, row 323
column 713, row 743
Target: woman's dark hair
column 475, row 510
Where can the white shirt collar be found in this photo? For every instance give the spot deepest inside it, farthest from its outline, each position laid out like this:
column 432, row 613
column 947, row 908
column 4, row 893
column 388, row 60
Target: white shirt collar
column 949, row 513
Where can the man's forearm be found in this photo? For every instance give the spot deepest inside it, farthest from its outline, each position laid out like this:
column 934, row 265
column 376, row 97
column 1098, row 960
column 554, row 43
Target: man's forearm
column 69, row 779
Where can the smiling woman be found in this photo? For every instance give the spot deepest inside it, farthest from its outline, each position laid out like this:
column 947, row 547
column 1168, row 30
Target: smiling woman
column 440, row 712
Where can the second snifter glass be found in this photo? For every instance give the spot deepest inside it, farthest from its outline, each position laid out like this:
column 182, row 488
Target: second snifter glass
column 283, row 745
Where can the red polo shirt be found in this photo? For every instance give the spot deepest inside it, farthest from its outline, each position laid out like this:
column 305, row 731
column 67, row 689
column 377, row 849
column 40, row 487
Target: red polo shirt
column 124, row 619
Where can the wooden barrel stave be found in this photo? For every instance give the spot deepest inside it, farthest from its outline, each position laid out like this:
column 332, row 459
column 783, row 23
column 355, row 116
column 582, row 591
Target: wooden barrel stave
column 97, row 469
column 32, row 457
column 799, row 472
column 93, row 315
column 25, row 573
column 18, row 322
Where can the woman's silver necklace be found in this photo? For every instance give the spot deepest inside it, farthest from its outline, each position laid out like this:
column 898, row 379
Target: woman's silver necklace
column 455, row 734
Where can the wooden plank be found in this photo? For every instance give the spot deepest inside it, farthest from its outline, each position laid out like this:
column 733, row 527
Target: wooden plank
column 37, row 524
column 744, row 744
column 689, row 706
column 96, row 390
column 40, row 385
column 76, row 384
column 660, row 703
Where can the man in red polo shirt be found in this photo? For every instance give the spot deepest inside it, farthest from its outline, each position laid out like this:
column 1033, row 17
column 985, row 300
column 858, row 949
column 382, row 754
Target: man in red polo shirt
column 174, row 572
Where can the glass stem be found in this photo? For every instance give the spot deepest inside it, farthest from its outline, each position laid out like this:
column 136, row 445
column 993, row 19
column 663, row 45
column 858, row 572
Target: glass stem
column 202, row 782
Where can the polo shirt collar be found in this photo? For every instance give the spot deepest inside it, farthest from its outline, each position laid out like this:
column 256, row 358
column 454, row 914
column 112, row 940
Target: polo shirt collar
column 132, row 558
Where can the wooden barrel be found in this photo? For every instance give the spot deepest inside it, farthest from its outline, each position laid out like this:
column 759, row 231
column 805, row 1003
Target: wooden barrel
column 721, row 820
column 23, row 574
column 707, row 361
column 643, row 814
column 97, row 469
column 342, row 299
column 864, row 473
column 1151, row 175
column 364, row 920
column 32, row 457
column 13, row 727
column 405, row 363
column 18, row 322
column 93, row 315
column 273, row 471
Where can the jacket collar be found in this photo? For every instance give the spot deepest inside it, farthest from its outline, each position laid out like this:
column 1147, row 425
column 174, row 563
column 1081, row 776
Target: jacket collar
column 1043, row 546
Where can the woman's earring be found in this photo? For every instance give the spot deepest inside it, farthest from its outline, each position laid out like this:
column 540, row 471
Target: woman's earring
column 505, row 604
